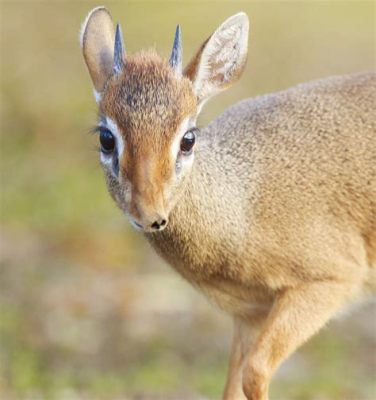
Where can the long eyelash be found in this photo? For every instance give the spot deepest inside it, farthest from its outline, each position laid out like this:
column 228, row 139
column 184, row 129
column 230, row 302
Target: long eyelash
column 94, row 129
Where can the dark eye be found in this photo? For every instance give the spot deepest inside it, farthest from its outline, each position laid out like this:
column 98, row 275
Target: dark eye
column 188, row 141
column 107, row 141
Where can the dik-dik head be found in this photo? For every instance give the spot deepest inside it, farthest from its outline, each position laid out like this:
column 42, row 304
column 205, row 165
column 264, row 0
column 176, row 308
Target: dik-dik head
column 148, row 109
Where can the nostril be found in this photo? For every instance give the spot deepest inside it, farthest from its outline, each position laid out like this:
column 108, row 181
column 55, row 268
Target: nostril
column 159, row 224
column 155, row 225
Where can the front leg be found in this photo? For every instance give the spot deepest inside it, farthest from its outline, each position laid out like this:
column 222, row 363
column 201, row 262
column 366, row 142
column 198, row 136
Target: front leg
column 244, row 335
column 297, row 314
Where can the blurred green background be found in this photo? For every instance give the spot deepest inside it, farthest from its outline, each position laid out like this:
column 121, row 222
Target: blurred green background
column 87, row 311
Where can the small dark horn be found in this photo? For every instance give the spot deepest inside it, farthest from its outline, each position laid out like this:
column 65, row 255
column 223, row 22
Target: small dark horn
column 118, row 51
column 176, row 59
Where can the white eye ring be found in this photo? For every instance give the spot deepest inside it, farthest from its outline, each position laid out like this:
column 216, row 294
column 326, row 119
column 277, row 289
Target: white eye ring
column 113, row 128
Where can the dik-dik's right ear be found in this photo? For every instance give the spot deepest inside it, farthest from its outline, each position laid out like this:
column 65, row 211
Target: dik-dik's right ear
column 98, row 44
column 221, row 59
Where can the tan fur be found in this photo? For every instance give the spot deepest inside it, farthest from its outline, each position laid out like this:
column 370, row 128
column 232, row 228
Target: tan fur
column 148, row 104
column 275, row 221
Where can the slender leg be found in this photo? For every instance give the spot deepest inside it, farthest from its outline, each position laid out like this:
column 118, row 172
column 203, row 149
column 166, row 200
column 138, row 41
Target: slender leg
column 245, row 333
column 296, row 315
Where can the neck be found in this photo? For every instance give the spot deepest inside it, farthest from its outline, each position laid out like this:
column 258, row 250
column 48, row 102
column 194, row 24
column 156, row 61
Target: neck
column 201, row 227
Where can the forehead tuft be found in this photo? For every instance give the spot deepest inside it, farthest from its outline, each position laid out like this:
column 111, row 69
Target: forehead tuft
column 147, row 97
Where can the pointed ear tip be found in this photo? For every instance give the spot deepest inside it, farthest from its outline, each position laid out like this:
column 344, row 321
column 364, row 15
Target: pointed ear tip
column 103, row 8
column 96, row 10
column 240, row 18
column 88, row 17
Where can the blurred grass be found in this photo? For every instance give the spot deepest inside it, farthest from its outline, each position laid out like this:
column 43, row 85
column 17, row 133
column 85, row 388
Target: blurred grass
column 86, row 309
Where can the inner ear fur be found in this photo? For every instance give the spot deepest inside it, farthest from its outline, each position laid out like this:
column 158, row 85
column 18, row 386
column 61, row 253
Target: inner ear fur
column 221, row 59
column 97, row 42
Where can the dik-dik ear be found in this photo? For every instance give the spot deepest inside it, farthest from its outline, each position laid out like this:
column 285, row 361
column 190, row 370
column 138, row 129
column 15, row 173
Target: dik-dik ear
column 97, row 42
column 221, row 59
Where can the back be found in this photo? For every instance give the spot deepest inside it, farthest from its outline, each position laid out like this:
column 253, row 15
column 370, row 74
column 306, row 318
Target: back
column 278, row 177
column 310, row 146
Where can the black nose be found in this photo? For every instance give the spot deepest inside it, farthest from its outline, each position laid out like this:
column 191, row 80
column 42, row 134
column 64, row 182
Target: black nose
column 157, row 225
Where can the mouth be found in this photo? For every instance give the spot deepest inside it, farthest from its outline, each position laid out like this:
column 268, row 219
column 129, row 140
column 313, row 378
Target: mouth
column 136, row 225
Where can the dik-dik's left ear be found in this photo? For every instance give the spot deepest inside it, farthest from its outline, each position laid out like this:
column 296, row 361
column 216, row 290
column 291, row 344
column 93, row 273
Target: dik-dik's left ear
column 221, row 59
column 103, row 50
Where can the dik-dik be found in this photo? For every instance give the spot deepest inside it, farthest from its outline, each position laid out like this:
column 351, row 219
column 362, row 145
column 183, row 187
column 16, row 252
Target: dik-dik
column 269, row 210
